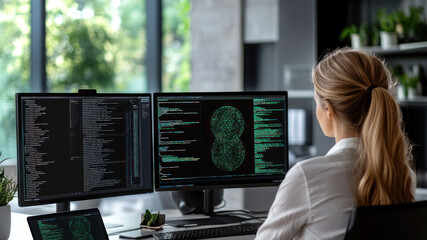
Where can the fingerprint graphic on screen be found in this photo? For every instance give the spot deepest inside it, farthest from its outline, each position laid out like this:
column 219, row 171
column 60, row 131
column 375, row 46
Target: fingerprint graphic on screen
column 227, row 125
column 80, row 228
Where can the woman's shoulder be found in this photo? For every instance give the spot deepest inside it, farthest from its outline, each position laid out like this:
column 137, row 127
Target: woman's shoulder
column 342, row 160
column 344, row 155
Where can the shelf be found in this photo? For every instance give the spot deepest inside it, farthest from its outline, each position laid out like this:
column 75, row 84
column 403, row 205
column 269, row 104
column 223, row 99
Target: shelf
column 402, row 49
column 420, row 101
column 300, row 93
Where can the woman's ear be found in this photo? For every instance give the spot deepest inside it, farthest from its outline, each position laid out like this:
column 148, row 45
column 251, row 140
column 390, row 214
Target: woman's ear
column 329, row 110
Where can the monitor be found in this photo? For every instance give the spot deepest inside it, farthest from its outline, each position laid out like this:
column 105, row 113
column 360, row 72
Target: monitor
column 215, row 140
column 82, row 146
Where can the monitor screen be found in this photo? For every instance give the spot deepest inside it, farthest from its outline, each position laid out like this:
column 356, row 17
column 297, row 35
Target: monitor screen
column 220, row 140
column 75, row 147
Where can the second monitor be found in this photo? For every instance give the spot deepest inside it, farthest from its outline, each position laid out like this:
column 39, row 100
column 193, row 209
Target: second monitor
column 75, row 147
column 220, row 140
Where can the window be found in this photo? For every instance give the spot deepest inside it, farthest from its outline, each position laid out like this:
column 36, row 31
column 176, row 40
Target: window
column 98, row 44
column 176, row 59
column 14, row 66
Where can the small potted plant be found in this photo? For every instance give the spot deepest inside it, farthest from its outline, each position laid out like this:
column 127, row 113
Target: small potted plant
column 152, row 220
column 387, row 24
column 412, row 27
column 7, row 191
column 408, row 86
column 358, row 35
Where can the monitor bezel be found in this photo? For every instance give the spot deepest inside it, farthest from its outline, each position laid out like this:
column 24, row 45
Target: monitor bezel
column 156, row 163
column 61, row 199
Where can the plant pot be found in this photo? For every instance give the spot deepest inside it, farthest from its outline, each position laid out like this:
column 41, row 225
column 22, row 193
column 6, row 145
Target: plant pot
column 412, row 93
column 356, row 41
column 388, row 40
column 402, row 93
column 405, row 93
column 5, row 217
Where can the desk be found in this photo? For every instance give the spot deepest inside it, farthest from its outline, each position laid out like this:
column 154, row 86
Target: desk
column 21, row 231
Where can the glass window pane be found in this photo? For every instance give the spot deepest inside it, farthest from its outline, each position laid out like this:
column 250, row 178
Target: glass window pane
column 14, row 67
column 176, row 59
column 97, row 44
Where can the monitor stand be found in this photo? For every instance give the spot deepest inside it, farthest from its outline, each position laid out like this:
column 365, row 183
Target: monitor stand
column 63, row 207
column 208, row 200
column 200, row 201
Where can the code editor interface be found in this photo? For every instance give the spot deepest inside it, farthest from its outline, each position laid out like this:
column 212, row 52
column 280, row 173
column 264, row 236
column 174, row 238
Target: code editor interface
column 76, row 146
column 204, row 140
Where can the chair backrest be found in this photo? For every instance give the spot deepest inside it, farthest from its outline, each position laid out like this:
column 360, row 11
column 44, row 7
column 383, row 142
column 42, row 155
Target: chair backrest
column 400, row 221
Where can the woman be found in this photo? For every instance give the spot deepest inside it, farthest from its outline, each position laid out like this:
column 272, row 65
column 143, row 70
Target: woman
column 368, row 165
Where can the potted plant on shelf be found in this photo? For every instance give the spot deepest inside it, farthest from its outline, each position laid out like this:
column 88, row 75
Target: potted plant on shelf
column 387, row 25
column 408, row 86
column 412, row 27
column 358, row 35
column 7, row 191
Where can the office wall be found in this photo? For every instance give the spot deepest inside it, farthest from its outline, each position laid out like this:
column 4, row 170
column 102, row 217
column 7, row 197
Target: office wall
column 216, row 30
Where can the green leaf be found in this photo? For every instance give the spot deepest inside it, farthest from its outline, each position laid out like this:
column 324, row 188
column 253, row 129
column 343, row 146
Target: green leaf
column 154, row 221
column 387, row 22
column 346, row 32
column 147, row 216
column 8, row 187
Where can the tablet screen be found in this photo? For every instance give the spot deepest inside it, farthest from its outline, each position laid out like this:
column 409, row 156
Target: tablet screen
column 82, row 224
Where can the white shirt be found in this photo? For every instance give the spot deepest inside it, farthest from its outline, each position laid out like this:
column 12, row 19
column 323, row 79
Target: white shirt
column 315, row 199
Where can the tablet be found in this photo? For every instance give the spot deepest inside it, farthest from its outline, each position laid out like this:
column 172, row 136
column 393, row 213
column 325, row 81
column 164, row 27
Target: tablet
column 82, row 224
column 137, row 234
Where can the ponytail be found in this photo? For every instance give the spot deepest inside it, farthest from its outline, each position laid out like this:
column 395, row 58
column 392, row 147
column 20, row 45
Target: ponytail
column 382, row 172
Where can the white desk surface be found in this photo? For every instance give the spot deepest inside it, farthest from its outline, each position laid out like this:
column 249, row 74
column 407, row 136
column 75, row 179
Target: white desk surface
column 21, row 231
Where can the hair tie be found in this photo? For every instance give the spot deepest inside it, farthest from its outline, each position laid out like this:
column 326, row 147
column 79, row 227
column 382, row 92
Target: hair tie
column 369, row 89
column 369, row 93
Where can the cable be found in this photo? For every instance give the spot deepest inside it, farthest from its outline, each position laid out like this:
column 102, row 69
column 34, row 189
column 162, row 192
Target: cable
column 242, row 213
column 261, row 219
column 223, row 202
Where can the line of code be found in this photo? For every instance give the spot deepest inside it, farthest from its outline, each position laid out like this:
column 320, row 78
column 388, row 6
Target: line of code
column 269, row 135
column 179, row 133
column 50, row 231
column 103, row 129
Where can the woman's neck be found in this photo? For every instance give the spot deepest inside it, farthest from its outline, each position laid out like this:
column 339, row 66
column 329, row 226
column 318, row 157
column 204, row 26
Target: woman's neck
column 341, row 131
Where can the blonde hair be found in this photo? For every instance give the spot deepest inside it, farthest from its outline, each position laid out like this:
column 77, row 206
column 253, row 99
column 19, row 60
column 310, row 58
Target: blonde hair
column 356, row 85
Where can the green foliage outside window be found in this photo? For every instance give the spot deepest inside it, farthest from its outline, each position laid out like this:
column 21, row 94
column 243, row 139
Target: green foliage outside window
column 14, row 66
column 82, row 57
column 97, row 44
column 176, row 45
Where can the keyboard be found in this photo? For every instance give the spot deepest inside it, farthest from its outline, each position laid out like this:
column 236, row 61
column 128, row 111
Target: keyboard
column 216, row 232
